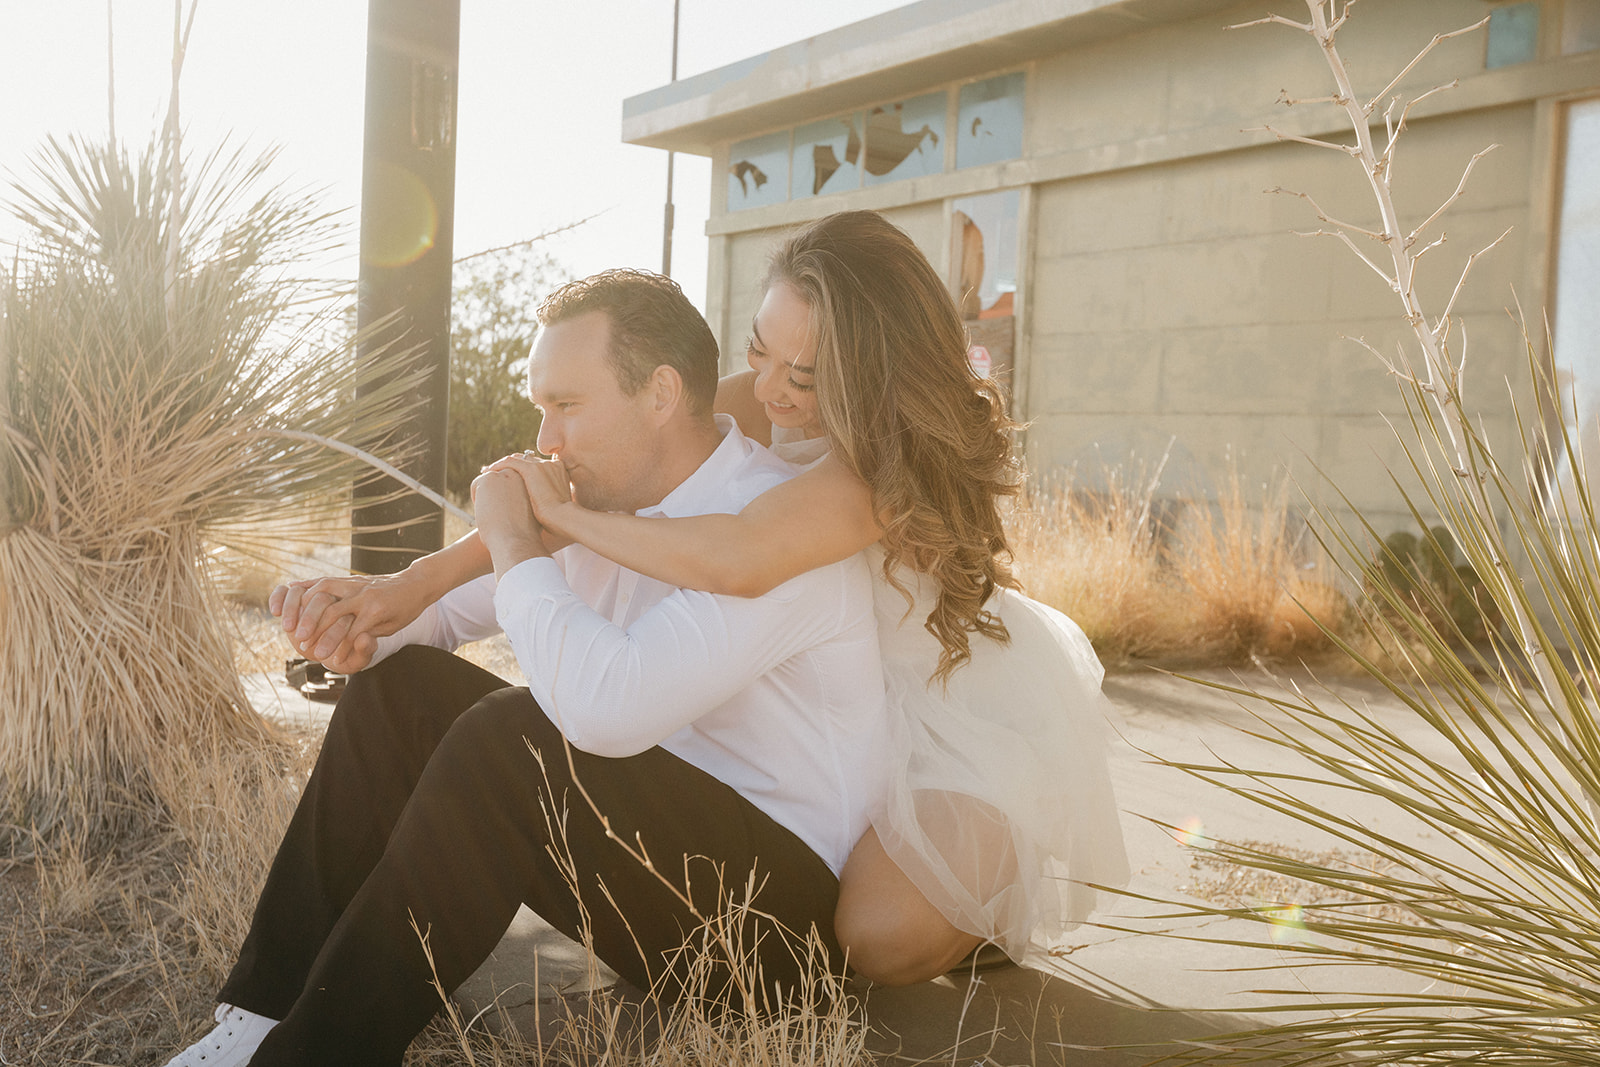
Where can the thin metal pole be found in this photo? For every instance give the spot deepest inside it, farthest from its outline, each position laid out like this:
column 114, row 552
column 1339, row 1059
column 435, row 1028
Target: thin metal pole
column 666, row 221
column 111, row 78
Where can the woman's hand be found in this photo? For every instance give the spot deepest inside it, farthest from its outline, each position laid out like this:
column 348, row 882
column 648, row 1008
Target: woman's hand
column 337, row 621
column 549, row 489
column 506, row 522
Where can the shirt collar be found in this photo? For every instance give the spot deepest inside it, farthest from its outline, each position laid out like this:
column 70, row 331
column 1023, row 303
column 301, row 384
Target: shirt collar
column 698, row 493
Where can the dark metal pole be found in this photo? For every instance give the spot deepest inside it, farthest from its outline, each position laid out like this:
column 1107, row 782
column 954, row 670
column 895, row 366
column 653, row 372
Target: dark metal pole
column 666, row 222
column 407, row 221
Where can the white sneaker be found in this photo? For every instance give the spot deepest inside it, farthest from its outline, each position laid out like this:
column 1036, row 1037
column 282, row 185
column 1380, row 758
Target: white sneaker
column 237, row 1036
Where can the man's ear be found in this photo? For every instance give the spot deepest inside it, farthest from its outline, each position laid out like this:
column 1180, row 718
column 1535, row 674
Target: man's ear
column 666, row 391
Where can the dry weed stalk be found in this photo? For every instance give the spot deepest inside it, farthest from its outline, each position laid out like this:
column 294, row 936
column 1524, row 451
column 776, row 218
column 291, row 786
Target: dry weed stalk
column 1440, row 376
column 709, row 1008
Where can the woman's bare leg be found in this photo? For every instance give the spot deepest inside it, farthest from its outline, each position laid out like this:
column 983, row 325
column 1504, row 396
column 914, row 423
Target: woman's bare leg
column 890, row 932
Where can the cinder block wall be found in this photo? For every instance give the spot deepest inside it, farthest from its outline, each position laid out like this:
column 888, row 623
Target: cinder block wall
column 1167, row 307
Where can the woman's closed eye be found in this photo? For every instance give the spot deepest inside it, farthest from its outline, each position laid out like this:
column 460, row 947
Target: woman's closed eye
column 752, row 354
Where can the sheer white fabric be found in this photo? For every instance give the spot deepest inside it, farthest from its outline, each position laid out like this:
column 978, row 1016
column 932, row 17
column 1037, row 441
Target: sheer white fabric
column 1000, row 808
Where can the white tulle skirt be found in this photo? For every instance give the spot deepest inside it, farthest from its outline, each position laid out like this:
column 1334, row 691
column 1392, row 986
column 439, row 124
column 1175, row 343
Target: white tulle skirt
column 1000, row 808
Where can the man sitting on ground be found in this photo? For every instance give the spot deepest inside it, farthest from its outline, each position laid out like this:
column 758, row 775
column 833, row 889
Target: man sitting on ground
column 728, row 737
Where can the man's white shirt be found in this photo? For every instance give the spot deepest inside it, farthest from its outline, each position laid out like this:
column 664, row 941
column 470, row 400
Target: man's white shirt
column 779, row 696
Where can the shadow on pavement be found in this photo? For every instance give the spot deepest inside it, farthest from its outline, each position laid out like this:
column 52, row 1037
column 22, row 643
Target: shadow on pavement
column 1017, row 1015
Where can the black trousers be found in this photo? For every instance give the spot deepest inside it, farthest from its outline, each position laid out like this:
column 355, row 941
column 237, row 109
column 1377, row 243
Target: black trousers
column 428, row 808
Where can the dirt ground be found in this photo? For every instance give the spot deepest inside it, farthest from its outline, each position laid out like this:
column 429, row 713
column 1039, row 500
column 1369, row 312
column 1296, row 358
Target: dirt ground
column 99, row 964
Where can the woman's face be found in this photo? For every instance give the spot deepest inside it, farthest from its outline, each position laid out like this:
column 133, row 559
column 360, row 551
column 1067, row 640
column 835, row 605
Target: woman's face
column 783, row 354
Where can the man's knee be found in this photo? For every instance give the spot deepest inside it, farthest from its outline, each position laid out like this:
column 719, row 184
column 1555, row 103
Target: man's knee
column 503, row 732
column 416, row 692
column 410, row 669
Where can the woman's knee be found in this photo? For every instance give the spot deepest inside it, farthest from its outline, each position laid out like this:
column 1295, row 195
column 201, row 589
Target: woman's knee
column 896, row 947
column 889, row 930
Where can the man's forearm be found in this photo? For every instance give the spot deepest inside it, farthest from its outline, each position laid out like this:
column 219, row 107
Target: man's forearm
column 509, row 548
column 456, row 564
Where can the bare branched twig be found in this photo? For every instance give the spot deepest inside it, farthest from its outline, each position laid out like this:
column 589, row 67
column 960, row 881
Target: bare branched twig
column 1268, row 20
column 1349, row 150
column 1461, row 187
column 1388, row 364
column 1472, row 259
column 1405, row 114
column 1344, row 237
column 1438, row 39
column 1325, row 217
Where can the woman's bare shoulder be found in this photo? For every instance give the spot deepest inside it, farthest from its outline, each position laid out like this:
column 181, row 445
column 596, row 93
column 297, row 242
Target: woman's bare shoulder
column 736, row 396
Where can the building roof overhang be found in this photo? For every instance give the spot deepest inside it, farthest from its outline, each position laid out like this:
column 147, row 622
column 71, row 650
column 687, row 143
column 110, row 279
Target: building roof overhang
column 889, row 55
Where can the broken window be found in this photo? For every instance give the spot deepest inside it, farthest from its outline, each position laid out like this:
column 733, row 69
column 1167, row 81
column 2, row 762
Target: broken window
column 1577, row 282
column 827, row 156
column 1513, row 36
column 989, row 121
column 1580, row 26
column 983, row 258
column 758, row 171
column 984, row 253
column 905, row 140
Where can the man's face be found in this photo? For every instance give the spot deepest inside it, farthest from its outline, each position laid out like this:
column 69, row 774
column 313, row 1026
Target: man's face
column 605, row 439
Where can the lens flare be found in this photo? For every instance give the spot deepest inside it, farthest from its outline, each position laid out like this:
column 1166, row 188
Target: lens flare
column 1191, row 833
column 1287, row 923
column 399, row 220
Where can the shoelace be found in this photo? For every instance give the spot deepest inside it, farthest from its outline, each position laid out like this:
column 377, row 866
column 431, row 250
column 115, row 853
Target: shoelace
column 216, row 1041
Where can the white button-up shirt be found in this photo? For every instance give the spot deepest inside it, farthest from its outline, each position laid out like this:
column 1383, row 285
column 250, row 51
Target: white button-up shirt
column 779, row 696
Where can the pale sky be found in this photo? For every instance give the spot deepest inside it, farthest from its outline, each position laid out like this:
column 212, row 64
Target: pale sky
column 542, row 84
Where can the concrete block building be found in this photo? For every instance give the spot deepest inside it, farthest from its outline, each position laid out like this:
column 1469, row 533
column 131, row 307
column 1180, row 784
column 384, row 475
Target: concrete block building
column 1090, row 175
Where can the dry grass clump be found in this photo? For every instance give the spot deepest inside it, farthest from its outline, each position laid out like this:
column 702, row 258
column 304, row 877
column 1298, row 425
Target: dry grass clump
column 153, row 347
column 711, row 1006
column 820, row 1028
column 1231, row 561
column 112, row 947
column 1096, row 555
column 1178, row 581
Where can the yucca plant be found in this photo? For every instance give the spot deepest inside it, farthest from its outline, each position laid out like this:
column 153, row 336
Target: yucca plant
column 161, row 380
column 1501, row 914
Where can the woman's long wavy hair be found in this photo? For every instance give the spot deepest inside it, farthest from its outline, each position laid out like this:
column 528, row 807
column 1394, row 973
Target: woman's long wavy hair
column 903, row 409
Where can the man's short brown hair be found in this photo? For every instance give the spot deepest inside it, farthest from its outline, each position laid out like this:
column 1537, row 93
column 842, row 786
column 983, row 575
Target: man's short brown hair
column 652, row 325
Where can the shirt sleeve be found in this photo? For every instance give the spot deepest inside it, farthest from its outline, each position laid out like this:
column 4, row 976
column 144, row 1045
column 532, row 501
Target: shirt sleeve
column 616, row 692
column 466, row 613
